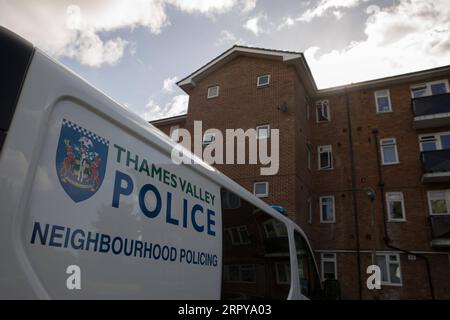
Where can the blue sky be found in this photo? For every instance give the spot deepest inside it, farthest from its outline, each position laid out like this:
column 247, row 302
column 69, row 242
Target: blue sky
column 136, row 50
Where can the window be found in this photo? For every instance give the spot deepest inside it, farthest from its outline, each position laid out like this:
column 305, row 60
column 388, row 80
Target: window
column 310, row 211
column 436, row 141
column 325, row 157
column 261, row 189
column 389, row 151
column 263, row 131
column 323, row 111
column 396, row 206
column 327, row 212
column 213, row 92
column 383, row 101
column 328, row 266
column 429, row 88
column 263, row 81
column 283, row 273
column 209, row 138
column 274, row 229
column 438, row 201
column 174, row 133
column 308, row 155
column 390, row 269
column 239, row 235
column 239, row 273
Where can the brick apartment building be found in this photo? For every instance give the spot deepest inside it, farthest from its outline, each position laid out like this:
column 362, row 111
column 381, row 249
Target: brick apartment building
column 364, row 168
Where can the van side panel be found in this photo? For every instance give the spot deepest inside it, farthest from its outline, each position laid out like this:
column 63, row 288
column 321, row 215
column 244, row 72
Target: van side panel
column 15, row 56
column 86, row 188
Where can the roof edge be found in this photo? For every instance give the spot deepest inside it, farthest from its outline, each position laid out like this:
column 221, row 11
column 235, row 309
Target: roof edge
column 169, row 119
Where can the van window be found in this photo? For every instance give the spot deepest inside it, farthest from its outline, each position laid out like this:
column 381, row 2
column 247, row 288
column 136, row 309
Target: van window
column 259, row 267
column 308, row 277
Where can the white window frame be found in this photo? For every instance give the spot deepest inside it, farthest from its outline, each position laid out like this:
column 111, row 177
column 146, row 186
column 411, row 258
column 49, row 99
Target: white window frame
column 276, row 225
column 395, row 149
column 258, row 81
column 209, row 95
column 325, row 148
column 261, row 195
column 239, row 230
column 381, row 94
column 388, row 270
column 427, row 86
column 286, row 267
column 174, row 134
column 446, row 198
column 321, row 209
column 402, row 201
column 321, row 104
column 262, row 126
column 209, row 141
column 324, row 259
column 240, row 267
column 436, row 136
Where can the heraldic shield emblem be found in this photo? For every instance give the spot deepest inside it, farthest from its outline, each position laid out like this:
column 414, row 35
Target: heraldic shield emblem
column 80, row 161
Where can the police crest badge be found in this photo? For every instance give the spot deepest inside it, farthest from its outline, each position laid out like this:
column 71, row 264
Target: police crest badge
column 80, row 161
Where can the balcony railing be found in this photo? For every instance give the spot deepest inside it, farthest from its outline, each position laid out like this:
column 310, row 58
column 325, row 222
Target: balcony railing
column 440, row 228
column 431, row 111
column 429, row 105
column 436, row 162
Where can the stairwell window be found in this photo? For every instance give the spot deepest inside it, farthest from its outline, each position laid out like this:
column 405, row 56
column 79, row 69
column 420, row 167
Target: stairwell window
column 325, row 157
column 389, row 153
column 390, row 269
column 323, row 111
column 327, row 210
column 308, row 155
column 261, row 189
column 396, row 206
column 383, row 101
column 328, row 266
column 263, row 81
column 213, row 92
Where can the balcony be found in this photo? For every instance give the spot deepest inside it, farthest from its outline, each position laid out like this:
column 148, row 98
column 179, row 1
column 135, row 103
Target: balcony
column 440, row 229
column 436, row 165
column 431, row 111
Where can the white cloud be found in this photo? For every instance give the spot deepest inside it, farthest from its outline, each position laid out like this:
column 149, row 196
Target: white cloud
column 177, row 106
column 227, row 38
column 287, row 23
column 81, row 31
column 169, row 84
column 409, row 36
column 326, row 6
column 254, row 24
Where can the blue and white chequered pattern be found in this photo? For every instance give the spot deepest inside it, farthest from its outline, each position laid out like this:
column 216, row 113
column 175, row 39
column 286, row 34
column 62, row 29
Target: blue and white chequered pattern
column 85, row 132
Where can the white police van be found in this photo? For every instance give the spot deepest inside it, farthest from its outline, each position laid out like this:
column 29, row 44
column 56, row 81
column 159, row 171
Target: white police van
column 88, row 187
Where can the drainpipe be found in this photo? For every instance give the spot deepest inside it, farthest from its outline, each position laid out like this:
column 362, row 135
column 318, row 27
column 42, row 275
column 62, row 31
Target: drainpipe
column 354, row 200
column 386, row 238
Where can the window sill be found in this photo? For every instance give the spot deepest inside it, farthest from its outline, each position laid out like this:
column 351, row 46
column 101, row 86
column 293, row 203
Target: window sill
column 387, row 284
column 382, row 112
column 390, row 164
column 396, row 220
